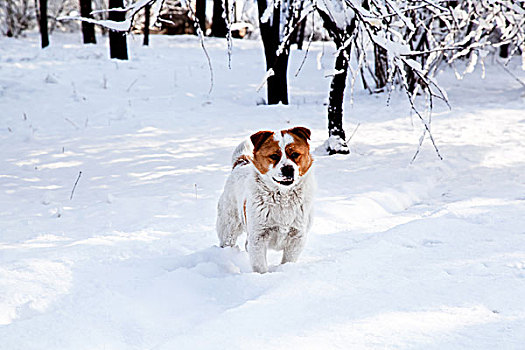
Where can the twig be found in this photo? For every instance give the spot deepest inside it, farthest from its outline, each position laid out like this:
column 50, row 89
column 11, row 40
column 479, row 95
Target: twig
column 353, row 133
column 307, row 48
column 72, row 123
column 512, row 74
column 228, row 12
column 75, row 186
column 289, row 30
column 131, row 85
column 201, row 39
column 200, row 34
column 269, row 73
column 130, row 11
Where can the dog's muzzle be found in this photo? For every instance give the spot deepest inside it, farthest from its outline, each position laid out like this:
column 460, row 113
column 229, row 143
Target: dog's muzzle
column 287, row 172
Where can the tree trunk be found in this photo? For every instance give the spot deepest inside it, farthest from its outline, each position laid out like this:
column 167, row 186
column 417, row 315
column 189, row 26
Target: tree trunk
column 277, row 84
column 381, row 66
column 337, row 90
column 413, row 79
column 504, row 50
column 336, row 143
column 297, row 36
column 147, row 9
column 88, row 29
column 337, row 138
column 117, row 40
column 380, row 62
column 300, row 39
column 200, row 14
column 44, row 34
column 218, row 24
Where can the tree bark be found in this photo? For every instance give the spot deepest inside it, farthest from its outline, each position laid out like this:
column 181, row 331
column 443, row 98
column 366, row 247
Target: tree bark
column 218, row 24
column 88, row 29
column 200, row 14
column 422, row 44
column 147, row 9
column 277, row 84
column 44, row 33
column 117, row 40
column 381, row 66
column 504, row 50
column 300, row 39
column 336, row 98
column 338, row 84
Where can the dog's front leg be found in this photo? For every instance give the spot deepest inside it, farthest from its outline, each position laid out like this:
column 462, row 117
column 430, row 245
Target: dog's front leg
column 257, row 248
column 294, row 245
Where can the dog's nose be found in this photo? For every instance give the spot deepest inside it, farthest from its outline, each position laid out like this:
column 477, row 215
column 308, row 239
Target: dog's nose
column 287, row 171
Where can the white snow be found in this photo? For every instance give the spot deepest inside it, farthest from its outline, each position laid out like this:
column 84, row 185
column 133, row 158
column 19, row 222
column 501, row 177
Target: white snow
column 429, row 255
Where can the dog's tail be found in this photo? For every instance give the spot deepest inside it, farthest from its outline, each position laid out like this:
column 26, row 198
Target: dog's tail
column 242, row 154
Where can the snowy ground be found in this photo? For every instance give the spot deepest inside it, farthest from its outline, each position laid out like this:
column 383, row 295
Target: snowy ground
column 423, row 256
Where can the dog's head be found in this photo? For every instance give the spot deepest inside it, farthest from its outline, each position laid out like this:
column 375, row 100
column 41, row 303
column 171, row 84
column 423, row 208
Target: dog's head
column 282, row 157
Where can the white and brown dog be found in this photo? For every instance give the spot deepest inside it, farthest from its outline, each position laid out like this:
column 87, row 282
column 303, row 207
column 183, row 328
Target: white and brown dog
column 269, row 195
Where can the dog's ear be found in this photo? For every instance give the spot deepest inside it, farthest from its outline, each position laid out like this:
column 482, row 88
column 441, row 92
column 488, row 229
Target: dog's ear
column 259, row 137
column 301, row 132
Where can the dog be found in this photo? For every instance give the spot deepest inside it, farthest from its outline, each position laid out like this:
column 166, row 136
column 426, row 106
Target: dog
column 269, row 194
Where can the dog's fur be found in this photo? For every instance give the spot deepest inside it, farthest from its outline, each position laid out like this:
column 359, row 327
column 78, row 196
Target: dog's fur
column 269, row 195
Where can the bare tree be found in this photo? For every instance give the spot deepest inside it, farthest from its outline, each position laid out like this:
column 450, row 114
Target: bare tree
column 380, row 67
column 119, row 23
column 341, row 37
column 277, row 22
column 117, row 40
column 200, row 14
column 42, row 22
column 218, row 24
column 147, row 15
column 88, row 29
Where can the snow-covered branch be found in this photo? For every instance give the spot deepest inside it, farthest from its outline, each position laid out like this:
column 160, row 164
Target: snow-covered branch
column 123, row 26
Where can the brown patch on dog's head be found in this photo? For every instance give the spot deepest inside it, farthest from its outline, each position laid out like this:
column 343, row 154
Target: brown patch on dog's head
column 266, row 150
column 259, row 137
column 298, row 151
column 299, row 131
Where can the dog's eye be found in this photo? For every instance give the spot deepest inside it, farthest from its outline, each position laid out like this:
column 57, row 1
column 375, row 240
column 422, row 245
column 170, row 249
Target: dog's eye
column 275, row 157
column 294, row 155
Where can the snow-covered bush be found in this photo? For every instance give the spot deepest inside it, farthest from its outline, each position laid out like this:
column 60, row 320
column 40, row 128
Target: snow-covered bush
column 17, row 16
